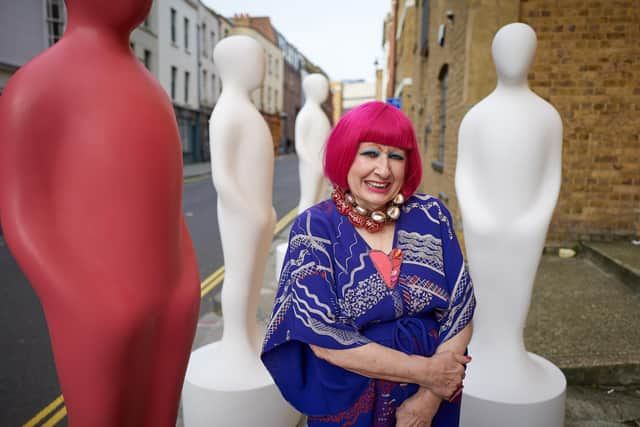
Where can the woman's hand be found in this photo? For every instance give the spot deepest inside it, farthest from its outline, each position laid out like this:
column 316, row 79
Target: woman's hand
column 445, row 373
column 418, row 410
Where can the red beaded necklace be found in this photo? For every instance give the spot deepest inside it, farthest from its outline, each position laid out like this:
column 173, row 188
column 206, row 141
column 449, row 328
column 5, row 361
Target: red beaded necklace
column 360, row 217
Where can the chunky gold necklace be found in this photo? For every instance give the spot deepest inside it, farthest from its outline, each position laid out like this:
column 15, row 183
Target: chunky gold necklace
column 362, row 218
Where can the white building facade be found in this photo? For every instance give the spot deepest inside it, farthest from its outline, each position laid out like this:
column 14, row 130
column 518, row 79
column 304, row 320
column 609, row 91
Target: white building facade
column 27, row 27
column 208, row 37
column 144, row 40
column 178, row 69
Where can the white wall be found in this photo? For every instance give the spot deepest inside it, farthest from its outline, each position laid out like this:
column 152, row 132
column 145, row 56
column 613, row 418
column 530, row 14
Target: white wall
column 209, row 35
column 145, row 37
column 175, row 53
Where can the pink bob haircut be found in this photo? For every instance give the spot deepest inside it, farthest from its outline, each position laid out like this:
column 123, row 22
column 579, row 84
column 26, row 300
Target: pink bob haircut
column 376, row 122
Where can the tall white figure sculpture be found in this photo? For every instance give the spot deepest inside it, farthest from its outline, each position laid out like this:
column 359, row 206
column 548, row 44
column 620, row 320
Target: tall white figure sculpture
column 507, row 181
column 312, row 131
column 227, row 377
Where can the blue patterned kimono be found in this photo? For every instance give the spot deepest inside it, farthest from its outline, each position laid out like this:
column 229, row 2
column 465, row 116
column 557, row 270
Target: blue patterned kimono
column 331, row 295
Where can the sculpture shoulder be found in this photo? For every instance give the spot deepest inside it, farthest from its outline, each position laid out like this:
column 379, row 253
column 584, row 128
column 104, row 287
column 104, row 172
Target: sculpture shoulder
column 235, row 111
column 236, row 118
column 304, row 120
column 30, row 85
column 475, row 116
column 30, row 99
column 550, row 112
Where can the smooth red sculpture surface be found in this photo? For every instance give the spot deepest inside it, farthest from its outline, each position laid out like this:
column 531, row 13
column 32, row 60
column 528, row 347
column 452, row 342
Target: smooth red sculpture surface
column 90, row 202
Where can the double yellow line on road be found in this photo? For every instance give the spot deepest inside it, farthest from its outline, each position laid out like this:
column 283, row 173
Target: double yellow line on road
column 207, row 285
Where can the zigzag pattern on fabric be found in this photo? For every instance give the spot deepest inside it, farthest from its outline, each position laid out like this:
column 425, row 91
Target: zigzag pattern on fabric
column 421, row 249
column 461, row 306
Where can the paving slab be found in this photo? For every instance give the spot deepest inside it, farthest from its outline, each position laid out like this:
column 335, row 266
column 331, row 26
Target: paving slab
column 586, row 321
column 600, row 406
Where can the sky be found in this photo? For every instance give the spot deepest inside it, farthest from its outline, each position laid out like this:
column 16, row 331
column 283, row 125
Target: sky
column 343, row 37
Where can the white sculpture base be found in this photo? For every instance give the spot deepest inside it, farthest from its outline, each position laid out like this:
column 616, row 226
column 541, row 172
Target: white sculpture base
column 479, row 410
column 207, row 401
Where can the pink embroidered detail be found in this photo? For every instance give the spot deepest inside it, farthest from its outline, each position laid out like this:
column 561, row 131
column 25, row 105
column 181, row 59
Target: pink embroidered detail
column 388, row 266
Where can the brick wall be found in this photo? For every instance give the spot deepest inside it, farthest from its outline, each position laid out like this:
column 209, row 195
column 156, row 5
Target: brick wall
column 588, row 66
column 405, row 52
column 471, row 76
column 451, row 56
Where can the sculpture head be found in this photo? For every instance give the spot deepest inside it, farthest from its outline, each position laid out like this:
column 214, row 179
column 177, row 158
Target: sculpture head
column 373, row 122
column 513, row 48
column 316, row 87
column 240, row 61
column 120, row 15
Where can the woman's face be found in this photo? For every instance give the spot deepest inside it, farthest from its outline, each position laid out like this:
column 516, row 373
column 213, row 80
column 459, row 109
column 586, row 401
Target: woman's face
column 376, row 175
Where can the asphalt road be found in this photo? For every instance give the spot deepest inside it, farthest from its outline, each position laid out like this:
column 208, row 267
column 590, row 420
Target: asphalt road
column 28, row 380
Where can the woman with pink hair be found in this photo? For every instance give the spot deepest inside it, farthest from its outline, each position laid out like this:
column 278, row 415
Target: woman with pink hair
column 373, row 312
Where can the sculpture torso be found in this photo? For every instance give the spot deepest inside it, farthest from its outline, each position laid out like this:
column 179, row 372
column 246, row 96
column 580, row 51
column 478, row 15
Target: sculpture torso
column 90, row 200
column 85, row 159
column 509, row 138
column 312, row 130
column 241, row 140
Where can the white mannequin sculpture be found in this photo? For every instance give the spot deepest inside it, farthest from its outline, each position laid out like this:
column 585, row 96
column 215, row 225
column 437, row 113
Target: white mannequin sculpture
column 507, row 182
column 312, row 131
column 223, row 377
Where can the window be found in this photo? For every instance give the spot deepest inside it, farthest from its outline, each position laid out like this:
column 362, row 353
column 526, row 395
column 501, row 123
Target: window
column 55, row 20
column 443, row 78
column 269, row 65
column 187, row 75
column 276, row 67
column 147, row 59
column 268, row 99
column 174, row 76
column 204, row 39
column 213, row 86
column 275, row 100
column 424, row 32
column 213, row 42
column 173, row 26
column 186, row 34
column 204, row 84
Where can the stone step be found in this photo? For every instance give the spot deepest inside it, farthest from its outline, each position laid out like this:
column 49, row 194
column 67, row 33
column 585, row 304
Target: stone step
column 619, row 258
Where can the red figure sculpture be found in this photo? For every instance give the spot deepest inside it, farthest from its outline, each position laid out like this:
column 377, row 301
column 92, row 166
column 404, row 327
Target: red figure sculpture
column 90, row 202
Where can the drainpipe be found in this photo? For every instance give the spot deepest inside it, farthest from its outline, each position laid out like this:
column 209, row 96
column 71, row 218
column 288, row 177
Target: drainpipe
column 197, row 149
column 391, row 64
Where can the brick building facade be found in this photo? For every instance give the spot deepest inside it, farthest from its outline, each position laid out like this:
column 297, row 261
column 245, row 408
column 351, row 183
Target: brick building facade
column 587, row 65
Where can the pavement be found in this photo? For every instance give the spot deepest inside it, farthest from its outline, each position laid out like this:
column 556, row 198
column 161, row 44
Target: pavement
column 194, row 170
column 584, row 317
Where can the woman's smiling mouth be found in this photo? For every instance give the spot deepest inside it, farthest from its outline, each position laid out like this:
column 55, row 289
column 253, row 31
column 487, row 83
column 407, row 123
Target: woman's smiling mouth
column 377, row 186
